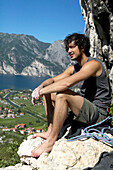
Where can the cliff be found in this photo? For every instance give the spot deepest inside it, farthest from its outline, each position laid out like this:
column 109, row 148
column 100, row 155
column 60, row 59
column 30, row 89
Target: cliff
column 98, row 16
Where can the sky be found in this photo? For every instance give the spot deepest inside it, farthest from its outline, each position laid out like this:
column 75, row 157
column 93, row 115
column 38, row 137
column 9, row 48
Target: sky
column 46, row 20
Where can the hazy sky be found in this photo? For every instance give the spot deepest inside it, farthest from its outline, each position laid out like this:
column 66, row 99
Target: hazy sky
column 46, row 20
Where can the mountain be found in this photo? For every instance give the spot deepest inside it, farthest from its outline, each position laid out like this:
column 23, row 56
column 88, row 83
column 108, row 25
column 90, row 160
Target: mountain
column 25, row 55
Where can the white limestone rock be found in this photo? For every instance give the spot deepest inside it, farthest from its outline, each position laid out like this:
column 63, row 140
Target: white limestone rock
column 37, row 69
column 111, row 79
column 64, row 155
column 28, row 145
column 18, row 167
column 9, row 69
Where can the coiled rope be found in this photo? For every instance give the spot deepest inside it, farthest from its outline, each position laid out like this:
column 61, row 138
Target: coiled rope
column 96, row 134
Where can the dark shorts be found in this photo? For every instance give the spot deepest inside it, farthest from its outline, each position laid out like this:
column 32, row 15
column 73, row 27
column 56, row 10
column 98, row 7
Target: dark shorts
column 88, row 111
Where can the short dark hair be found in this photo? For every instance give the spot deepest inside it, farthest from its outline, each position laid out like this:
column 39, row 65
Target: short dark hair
column 80, row 40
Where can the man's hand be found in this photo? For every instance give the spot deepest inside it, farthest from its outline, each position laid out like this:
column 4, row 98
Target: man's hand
column 36, row 95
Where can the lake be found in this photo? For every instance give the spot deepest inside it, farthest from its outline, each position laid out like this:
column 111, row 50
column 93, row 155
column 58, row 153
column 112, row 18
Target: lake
column 19, row 82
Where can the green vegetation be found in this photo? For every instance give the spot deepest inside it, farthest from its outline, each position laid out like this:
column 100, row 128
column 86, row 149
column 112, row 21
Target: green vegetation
column 9, row 148
column 111, row 109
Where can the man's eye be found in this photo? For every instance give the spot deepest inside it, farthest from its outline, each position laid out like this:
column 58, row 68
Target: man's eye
column 73, row 46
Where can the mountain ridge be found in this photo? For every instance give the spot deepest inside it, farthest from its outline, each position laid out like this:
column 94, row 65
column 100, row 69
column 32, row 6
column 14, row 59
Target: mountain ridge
column 22, row 54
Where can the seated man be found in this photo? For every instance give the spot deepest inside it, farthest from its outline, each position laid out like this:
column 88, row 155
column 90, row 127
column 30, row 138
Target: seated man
column 95, row 94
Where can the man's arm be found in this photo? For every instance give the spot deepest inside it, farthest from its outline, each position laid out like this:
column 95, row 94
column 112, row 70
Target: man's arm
column 48, row 82
column 63, row 75
column 92, row 68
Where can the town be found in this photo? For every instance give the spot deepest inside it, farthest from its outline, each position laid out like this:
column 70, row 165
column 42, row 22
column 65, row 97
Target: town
column 21, row 128
column 16, row 105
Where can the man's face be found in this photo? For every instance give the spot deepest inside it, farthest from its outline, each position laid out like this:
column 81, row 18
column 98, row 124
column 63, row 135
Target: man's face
column 73, row 51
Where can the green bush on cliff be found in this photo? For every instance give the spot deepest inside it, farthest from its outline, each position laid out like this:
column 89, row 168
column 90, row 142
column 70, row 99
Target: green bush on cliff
column 9, row 154
column 8, row 149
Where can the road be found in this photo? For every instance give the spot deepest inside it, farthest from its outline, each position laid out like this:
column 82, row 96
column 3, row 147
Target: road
column 6, row 97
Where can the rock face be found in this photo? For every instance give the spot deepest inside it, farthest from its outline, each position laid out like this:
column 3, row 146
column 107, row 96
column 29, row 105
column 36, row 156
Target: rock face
column 25, row 55
column 52, row 63
column 56, row 54
column 75, row 155
column 98, row 16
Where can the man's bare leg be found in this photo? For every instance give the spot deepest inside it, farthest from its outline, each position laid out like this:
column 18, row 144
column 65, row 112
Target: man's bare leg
column 65, row 100
column 49, row 109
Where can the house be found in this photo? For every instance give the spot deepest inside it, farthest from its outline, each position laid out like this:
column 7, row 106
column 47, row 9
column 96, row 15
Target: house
column 22, row 97
column 2, row 116
column 38, row 130
column 10, row 111
column 25, row 98
column 10, row 115
column 5, row 108
column 21, row 114
column 22, row 104
column 5, row 129
column 20, row 125
column 30, row 130
column 23, row 132
column 12, row 129
column 16, row 98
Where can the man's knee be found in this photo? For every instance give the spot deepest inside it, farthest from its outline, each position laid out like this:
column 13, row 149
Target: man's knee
column 60, row 96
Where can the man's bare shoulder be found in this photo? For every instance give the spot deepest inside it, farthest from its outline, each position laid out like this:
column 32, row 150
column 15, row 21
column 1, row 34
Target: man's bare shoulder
column 92, row 63
column 93, row 67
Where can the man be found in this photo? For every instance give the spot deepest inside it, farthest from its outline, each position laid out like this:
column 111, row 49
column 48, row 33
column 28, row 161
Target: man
column 95, row 95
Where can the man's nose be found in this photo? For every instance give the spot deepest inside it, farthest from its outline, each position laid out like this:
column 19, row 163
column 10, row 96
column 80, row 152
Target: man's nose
column 69, row 50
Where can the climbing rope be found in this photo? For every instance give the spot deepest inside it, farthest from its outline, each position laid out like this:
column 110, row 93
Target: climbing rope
column 91, row 132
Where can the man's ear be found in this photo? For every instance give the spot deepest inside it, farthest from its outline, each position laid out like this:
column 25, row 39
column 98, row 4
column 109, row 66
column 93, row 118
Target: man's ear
column 82, row 49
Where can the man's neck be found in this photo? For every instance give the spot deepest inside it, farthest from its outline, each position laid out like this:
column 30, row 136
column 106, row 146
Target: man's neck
column 82, row 60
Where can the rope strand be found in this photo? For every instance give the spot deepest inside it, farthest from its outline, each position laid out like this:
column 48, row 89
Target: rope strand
column 96, row 134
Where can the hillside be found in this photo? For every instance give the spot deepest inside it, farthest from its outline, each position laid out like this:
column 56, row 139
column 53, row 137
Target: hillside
column 25, row 55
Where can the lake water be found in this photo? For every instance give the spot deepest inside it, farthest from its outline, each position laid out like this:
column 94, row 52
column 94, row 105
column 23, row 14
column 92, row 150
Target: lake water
column 19, row 82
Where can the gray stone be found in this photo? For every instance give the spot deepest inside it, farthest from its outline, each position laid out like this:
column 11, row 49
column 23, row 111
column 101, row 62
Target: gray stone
column 98, row 17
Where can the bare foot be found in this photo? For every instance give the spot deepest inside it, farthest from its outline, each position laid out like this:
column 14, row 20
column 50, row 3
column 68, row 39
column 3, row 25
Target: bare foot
column 43, row 148
column 43, row 135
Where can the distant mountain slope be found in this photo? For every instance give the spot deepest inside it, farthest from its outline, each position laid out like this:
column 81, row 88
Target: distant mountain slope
column 25, row 55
